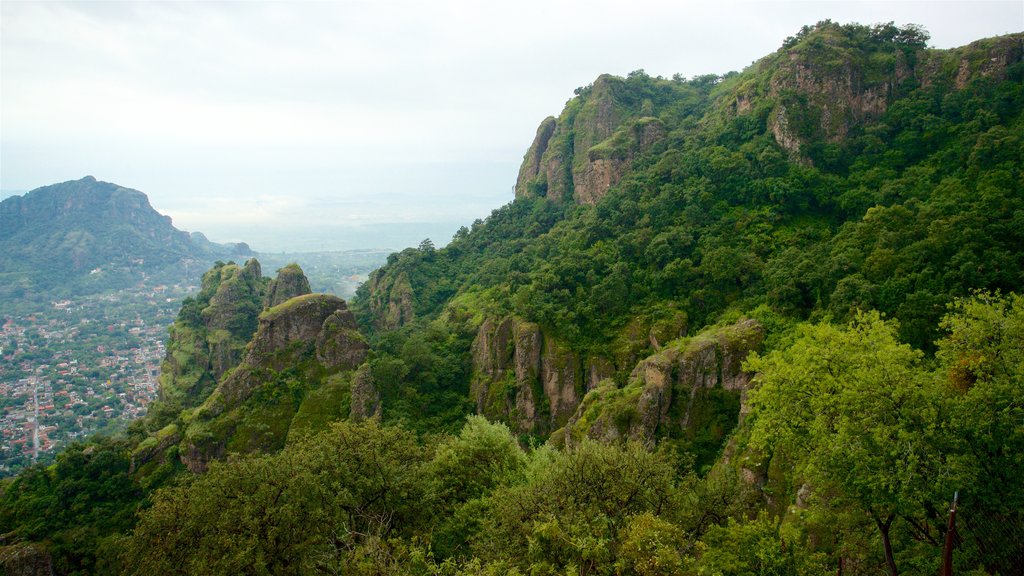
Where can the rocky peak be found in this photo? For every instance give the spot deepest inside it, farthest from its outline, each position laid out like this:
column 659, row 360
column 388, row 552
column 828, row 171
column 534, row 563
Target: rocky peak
column 832, row 79
column 236, row 301
column 588, row 149
column 289, row 283
column 298, row 320
column 299, row 343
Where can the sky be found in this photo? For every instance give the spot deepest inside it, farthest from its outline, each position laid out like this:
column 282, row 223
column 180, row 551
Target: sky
column 356, row 124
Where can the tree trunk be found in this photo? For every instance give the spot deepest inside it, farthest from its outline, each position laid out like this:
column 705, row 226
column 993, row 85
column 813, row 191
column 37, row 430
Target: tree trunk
column 883, row 528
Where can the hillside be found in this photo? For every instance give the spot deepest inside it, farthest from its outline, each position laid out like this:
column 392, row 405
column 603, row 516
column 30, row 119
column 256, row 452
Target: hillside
column 758, row 323
column 853, row 169
column 84, row 236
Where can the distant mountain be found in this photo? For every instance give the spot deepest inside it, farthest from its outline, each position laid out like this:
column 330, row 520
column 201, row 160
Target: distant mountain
column 87, row 235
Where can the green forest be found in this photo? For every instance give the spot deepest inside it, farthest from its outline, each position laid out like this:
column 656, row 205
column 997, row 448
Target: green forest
column 763, row 323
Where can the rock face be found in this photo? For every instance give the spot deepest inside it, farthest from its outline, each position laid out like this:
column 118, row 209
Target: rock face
column 209, row 337
column 825, row 87
column 391, row 299
column 535, row 383
column 671, row 394
column 25, row 559
column 289, row 283
column 365, row 397
column 532, row 165
column 527, row 378
column 588, row 149
column 298, row 346
column 339, row 345
column 230, row 318
column 524, row 377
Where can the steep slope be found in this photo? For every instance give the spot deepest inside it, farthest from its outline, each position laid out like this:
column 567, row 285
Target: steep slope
column 241, row 374
column 298, row 365
column 854, row 168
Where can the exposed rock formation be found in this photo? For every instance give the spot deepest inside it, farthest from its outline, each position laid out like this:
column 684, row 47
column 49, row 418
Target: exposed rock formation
column 535, row 383
column 667, row 393
column 588, row 149
column 289, row 283
column 826, row 88
column 391, row 299
column 364, row 395
column 298, row 345
column 609, row 160
column 524, row 377
column 532, row 162
column 230, row 318
column 339, row 345
column 209, row 337
column 25, row 559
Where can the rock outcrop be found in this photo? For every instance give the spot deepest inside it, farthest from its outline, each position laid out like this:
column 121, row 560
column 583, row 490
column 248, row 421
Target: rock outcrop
column 391, row 299
column 588, row 149
column 826, row 86
column 289, row 283
column 339, row 345
column 535, row 383
column 671, row 393
column 298, row 346
column 210, row 334
column 25, row 559
column 365, row 403
column 533, row 165
column 230, row 317
column 524, row 377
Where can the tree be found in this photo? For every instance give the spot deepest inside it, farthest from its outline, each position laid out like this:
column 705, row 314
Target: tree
column 859, row 414
column 982, row 365
column 570, row 512
column 315, row 507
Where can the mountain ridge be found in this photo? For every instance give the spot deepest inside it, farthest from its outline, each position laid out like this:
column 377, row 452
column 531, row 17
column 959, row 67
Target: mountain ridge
column 696, row 326
column 62, row 233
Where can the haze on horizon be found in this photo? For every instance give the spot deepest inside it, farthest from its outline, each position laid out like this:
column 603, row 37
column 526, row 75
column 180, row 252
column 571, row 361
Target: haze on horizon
column 329, row 126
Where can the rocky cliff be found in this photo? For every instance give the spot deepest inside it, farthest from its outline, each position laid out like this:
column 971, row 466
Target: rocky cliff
column 588, row 149
column 524, row 377
column 391, row 303
column 209, row 337
column 693, row 387
column 299, row 346
column 289, row 283
column 827, row 83
column 535, row 382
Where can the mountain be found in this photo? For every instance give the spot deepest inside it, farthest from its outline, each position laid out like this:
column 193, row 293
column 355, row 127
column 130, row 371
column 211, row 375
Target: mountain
column 853, row 169
column 761, row 322
column 87, row 235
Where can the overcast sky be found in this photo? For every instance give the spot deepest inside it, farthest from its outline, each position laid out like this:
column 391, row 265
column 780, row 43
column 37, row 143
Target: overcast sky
column 299, row 125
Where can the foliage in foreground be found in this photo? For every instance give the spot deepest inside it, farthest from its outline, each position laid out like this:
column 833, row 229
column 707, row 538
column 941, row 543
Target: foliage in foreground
column 875, row 437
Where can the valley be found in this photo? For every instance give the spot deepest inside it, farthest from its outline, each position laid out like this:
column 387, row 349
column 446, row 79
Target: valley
column 764, row 322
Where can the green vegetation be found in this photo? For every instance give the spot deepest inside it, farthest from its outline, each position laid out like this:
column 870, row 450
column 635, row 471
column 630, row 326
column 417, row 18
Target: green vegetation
column 763, row 323
column 371, row 499
column 85, row 236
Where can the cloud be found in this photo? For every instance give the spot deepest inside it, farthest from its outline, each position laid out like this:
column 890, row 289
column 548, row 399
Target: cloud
column 373, row 103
